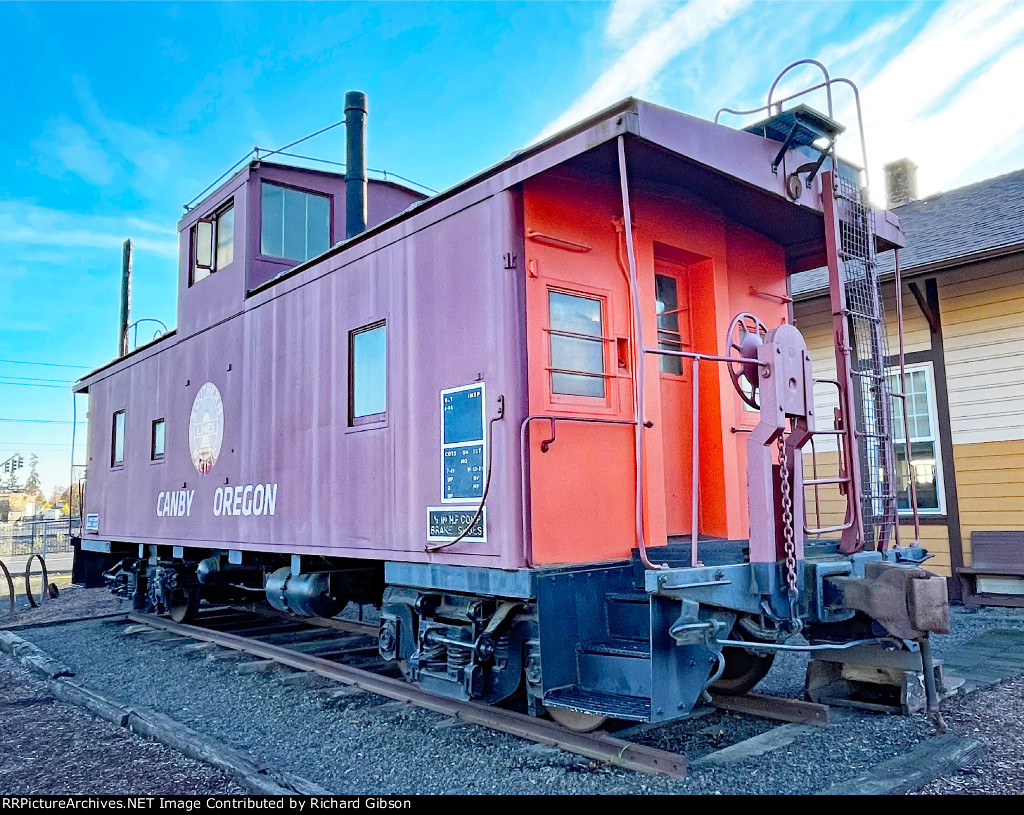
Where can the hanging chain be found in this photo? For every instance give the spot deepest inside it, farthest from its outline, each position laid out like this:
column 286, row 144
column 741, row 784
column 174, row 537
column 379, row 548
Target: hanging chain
column 789, row 544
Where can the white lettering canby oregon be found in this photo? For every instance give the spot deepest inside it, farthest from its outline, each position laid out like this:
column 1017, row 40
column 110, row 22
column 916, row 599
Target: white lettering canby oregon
column 245, row 499
column 174, row 503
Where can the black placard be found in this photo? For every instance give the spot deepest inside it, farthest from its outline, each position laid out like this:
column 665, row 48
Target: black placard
column 446, row 523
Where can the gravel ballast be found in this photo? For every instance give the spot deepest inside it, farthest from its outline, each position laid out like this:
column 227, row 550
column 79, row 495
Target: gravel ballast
column 350, row 745
column 54, row 748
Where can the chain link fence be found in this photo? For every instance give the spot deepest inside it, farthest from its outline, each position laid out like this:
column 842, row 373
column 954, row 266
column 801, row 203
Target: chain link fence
column 37, row 537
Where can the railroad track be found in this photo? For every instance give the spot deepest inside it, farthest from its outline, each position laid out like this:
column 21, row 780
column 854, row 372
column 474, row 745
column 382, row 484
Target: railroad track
column 345, row 652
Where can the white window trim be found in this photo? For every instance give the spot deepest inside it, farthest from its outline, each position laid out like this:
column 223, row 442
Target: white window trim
column 933, row 421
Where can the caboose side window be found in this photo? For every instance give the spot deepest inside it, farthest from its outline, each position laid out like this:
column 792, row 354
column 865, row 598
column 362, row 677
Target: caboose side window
column 577, row 344
column 225, row 229
column 212, row 244
column 367, row 374
column 294, row 224
column 158, row 438
column 117, row 440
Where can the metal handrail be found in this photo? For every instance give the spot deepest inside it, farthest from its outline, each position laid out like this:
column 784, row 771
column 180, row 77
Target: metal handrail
column 523, row 430
column 814, row 481
column 827, row 84
column 695, row 438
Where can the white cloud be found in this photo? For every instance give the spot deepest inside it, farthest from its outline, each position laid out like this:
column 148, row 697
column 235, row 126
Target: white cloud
column 149, row 226
column 628, row 18
column 25, row 224
column 73, row 149
column 638, row 67
column 947, row 99
column 105, row 151
column 833, row 54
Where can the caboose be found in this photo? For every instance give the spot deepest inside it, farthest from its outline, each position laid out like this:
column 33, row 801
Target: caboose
column 553, row 421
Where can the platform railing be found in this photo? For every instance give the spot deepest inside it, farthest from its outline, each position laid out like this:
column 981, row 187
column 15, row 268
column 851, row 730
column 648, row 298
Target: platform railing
column 696, row 359
column 843, row 442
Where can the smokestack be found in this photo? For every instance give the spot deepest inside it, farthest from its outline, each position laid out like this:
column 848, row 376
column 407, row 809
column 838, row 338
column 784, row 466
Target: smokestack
column 126, row 297
column 900, row 183
column 355, row 163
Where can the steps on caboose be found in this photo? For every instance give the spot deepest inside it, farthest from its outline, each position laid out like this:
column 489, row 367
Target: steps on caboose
column 618, row 647
column 615, row 665
column 613, row 705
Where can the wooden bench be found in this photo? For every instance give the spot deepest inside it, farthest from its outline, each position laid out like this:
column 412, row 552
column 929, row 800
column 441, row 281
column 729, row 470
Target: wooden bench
column 996, row 574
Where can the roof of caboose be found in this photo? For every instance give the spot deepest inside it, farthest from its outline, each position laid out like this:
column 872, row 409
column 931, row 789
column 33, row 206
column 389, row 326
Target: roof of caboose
column 731, row 169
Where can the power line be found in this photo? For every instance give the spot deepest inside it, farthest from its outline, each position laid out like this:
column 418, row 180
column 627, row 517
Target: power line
column 37, row 379
column 43, row 421
column 47, row 364
column 33, row 385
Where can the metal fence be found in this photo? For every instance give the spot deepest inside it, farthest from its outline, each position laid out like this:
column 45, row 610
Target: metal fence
column 38, row 537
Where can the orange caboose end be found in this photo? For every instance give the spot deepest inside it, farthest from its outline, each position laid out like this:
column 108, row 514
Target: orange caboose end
column 696, row 268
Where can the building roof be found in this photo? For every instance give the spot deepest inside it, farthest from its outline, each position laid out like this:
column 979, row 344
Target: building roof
column 947, row 228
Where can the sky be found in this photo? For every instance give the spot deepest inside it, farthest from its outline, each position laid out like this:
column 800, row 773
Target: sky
column 116, row 114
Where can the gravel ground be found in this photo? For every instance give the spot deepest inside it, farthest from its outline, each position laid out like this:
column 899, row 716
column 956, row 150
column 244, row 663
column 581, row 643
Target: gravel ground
column 53, row 748
column 356, row 746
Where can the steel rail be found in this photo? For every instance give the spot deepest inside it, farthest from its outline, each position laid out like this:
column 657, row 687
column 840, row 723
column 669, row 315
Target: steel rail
column 788, row 710
column 599, row 747
column 350, row 626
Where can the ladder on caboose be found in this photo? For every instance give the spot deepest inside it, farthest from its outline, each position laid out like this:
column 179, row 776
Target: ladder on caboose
column 862, row 356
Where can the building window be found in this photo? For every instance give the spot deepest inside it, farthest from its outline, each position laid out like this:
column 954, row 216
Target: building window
column 117, row 440
column 157, row 448
column 295, row 225
column 368, row 379
column 925, row 465
column 212, row 243
column 577, row 344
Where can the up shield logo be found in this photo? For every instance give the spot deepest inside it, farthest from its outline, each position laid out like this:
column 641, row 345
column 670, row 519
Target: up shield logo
column 206, row 428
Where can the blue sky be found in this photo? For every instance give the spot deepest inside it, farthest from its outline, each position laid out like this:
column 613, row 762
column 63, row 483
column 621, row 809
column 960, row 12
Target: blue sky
column 117, row 114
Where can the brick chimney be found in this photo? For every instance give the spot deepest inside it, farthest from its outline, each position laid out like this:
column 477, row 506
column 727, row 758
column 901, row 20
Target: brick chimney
column 900, row 183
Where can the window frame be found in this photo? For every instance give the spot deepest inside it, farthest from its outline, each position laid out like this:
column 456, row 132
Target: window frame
column 608, row 373
column 154, row 456
column 369, row 419
column 681, row 275
column 933, row 439
column 117, row 463
column 305, row 190
column 213, row 219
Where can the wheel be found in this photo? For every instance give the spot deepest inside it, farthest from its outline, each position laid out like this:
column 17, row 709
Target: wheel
column 185, row 605
column 743, row 669
column 576, row 720
column 745, row 335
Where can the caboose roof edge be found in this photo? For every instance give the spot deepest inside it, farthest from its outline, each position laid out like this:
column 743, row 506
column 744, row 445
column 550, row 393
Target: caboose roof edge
column 704, row 144
column 81, row 385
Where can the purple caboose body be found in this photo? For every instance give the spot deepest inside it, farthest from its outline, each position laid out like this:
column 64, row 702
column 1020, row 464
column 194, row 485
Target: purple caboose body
column 504, row 414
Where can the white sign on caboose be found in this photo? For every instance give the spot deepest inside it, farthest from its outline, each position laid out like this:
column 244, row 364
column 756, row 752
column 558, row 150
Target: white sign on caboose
column 245, row 499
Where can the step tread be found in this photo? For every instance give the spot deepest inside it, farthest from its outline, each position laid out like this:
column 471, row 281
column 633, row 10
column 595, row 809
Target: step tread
column 602, row 704
column 629, row 597
column 618, row 647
